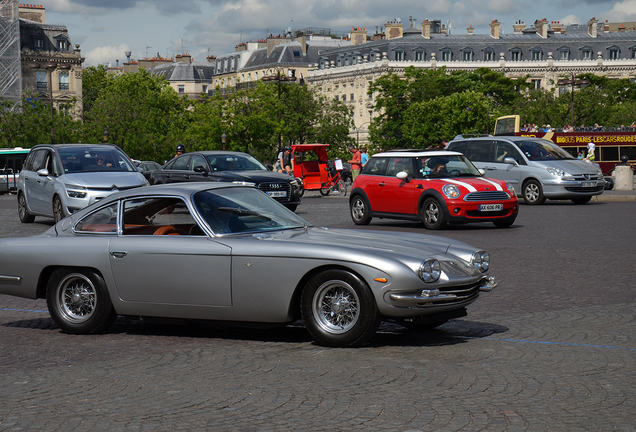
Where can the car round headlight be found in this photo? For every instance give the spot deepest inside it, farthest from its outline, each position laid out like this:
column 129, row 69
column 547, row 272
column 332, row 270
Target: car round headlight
column 451, row 191
column 429, row 270
column 511, row 189
column 481, row 261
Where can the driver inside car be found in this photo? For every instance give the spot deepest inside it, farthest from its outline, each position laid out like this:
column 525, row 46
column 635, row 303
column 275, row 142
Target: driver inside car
column 437, row 166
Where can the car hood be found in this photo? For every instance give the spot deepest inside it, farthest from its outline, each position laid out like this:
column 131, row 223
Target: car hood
column 478, row 183
column 252, row 176
column 319, row 242
column 571, row 166
column 105, row 179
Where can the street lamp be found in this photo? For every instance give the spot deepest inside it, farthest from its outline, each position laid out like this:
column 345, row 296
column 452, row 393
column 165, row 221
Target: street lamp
column 279, row 78
column 358, row 133
column 223, row 139
column 51, row 66
column 573, row 82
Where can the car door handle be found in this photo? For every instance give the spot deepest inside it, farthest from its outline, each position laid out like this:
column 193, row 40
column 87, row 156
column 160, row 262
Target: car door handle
column 119, row 254
column 187, row 177
column 491, row 168
column 168, row 175
column 382, row 184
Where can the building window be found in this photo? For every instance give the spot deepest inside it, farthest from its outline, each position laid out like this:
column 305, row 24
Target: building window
column 372, row 57
column 515, row 54
column 447, row 55
column 419, row 56
column 489, row 55
column 39, row 43
column 40, row 80
column 399, row 55
column 181, row 89
column 564, row 54
column 63, row 80
column 536, row 55
column 61, row 44
column 586, row 54
column 339, row 62
column 351, row 97
column 467, row 55
column 536, row 83
column 205, row 88
column 614, row 53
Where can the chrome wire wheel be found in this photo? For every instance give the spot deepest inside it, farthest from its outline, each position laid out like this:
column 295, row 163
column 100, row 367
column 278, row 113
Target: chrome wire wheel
column 336, row 307
column 76, row 298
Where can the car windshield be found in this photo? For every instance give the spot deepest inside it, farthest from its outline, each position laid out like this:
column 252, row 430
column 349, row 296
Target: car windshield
column 234, row 162
column 92, row 158
column 446, row 166
column 542, row 150
column 244, row 210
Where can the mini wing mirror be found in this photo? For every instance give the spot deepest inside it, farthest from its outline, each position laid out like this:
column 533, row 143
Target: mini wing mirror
column 510, row 161
column 43, row 172
column 403, row 175
column 482, row 171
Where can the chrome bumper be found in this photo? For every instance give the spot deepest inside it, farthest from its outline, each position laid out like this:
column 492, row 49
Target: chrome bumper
column 434, row 295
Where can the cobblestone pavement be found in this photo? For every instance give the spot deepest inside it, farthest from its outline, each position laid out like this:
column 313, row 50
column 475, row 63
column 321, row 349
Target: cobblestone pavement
column 552, row 348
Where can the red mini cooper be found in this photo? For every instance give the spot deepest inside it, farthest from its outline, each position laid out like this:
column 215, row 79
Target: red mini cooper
column 435, row 187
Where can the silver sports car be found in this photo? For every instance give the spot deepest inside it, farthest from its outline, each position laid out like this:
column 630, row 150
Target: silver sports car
column 231, row 253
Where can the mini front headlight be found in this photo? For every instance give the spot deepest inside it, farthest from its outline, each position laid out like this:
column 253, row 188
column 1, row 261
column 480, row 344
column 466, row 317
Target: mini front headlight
column 429, row 270
column 511, row 189
column 451, row 191
column 481, row 261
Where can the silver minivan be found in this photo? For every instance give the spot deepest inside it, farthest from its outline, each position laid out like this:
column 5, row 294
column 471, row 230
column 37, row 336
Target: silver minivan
column 537, row 168
column 59, row 179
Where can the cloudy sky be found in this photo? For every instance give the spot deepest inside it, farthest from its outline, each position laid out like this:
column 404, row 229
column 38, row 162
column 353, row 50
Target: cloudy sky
column 105, row 29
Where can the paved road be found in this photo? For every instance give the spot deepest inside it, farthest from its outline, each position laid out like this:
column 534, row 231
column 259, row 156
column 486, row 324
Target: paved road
column 552, row 348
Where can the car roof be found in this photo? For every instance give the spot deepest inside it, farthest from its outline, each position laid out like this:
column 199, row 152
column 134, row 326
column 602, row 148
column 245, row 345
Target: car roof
column 417, row 153
column 216, row 152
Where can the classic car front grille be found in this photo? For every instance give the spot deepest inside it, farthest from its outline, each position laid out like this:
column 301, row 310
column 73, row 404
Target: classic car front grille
column 277, row 187
column 463, row 293
column 584, row 189
column 487, row 196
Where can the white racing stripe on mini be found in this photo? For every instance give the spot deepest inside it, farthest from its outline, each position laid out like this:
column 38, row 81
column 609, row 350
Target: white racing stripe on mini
column 459, row 183
column 499, row 188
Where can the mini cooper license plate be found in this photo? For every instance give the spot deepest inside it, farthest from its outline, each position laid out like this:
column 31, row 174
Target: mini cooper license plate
column 490, row 207
column 588, row 184
column 277, row 194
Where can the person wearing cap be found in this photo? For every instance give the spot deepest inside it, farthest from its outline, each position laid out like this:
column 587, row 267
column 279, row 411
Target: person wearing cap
column 286, row 160
column 180, row 150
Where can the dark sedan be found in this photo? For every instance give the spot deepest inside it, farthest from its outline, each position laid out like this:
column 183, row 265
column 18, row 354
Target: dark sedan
column 231, row 167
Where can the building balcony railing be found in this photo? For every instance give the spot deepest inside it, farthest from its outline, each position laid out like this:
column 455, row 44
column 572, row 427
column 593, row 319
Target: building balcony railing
column 63, row 86
column 41, row 85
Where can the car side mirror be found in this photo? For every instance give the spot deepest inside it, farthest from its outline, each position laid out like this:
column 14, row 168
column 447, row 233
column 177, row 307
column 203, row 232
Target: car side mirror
column 403, row 175
column 140, row 169
column 201, row 170
column 482, row 171
column 510, row 161
column 43, row 172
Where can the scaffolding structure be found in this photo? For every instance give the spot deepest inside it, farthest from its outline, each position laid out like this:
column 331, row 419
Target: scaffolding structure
column 10, row 66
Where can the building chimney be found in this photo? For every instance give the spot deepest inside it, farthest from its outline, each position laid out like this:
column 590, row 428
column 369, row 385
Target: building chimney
column 426, row 28
column 358, row 36
column 542, row 28
column 495, row 29
column 606, row 27
column 592, row 28
column 471, row 30
column 394, row 29
column 519, row 27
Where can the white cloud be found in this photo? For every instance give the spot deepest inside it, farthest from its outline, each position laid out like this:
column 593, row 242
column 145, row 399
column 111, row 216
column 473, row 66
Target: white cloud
column 570, row 19
column 621, row 12
column 106, row 54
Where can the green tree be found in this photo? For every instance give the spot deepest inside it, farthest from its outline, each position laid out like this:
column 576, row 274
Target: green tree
column 94, row 81
column 142, row 114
